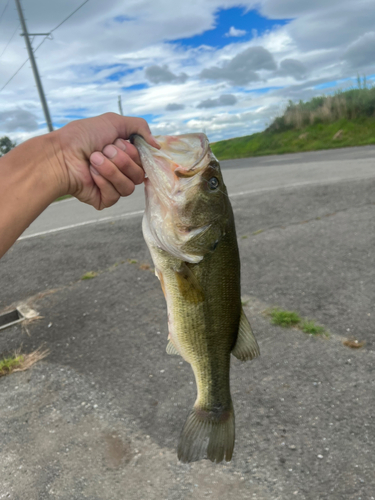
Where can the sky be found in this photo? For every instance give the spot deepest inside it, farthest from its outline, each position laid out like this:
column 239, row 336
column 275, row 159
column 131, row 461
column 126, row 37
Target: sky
column 223, row 67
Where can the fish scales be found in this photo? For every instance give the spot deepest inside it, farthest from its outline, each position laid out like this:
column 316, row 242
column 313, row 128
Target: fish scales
column 189, row 228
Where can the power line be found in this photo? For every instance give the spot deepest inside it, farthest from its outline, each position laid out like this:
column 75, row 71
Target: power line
column 11, row 38
column 70, row 15
column 22, row 65
column 44, row 39
column 5, row 8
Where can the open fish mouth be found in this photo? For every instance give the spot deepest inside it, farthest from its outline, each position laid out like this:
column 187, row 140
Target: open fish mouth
column 178, row 197
column 179, row 156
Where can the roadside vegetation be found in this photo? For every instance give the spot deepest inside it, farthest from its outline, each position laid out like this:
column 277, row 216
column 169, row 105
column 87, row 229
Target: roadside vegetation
column 344, row 119
column 6, row 145
column 89, row 275
column 291, row 319
column 20, row 362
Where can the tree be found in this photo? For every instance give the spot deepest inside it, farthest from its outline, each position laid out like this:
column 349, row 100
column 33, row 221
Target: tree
column 6, row 145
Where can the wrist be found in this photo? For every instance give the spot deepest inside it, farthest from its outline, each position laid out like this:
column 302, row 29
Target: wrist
column 52, row 155
column 37, row 163
column 31, row 179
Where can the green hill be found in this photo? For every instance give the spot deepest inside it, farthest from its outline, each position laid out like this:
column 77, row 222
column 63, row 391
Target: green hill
column 345, row 119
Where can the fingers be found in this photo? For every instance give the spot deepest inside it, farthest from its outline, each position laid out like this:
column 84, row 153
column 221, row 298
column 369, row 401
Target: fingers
column 129, row 149
column 118, row 169
column 99, row 163
column 108, row 194
column 122, row 158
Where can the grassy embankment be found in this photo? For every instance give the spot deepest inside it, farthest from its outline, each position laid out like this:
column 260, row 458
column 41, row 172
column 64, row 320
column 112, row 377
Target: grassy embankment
column 344, row 119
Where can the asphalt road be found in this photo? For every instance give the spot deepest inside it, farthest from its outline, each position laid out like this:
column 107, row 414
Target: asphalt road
column 100, row 418
column 242, row 177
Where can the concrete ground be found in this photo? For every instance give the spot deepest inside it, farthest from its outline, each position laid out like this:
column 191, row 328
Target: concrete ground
column 100, row 417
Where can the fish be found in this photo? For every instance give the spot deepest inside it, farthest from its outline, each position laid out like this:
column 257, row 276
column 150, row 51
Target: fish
column 189, row 228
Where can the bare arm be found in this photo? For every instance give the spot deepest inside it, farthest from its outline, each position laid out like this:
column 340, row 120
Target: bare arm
column 88, row 159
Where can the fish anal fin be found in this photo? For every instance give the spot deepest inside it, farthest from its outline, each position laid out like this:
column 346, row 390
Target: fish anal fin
column 188, row 284
column 246, row 347
column 171, row 349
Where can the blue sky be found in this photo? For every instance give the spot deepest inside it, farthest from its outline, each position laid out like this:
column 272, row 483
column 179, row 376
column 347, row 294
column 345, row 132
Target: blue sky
column 250, row 22
column 224, row 66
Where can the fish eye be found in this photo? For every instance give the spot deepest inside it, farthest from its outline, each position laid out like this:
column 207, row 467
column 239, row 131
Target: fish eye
column 214, row 183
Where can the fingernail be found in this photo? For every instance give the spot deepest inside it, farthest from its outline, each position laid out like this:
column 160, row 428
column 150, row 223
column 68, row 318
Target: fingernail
column 110, row 151
column 121, row 144
column 97, row 158
column 93, row 170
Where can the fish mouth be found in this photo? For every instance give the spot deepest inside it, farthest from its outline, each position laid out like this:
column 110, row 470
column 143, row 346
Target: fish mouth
column 178, row 156
column 171, row 179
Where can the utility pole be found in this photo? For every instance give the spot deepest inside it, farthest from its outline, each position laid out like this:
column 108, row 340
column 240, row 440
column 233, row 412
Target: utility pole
column 120, row 106
column 34, row 66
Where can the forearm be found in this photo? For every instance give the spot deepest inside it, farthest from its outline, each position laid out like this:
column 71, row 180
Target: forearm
column 89, row 159
column 30, row 181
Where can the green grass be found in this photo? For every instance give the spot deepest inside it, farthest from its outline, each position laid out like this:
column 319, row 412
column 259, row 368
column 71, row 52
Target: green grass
column 7, row 365
column 20, row 362
column 290, row 319
column 310, row 126
column 285, row 319
column 357, row 132
column 312, row 328
column 89, row 275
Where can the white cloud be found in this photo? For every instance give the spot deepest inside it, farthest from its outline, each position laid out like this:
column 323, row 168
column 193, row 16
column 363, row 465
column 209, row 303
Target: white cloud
column 361, row 53
column 292, row 67
column 223, row 100
column 235, row 32
column 241, row 70
column 161, row 74
column 18, row 119
column 127, row 48
column 174, row 106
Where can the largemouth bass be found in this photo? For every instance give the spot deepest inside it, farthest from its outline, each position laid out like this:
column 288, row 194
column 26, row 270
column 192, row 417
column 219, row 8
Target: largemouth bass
column 189, row 228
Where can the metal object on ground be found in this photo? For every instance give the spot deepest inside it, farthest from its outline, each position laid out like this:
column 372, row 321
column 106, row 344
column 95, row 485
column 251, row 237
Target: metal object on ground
column 17, row 315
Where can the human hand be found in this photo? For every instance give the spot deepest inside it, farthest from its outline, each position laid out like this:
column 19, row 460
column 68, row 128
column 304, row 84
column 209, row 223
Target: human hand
column 97, row 164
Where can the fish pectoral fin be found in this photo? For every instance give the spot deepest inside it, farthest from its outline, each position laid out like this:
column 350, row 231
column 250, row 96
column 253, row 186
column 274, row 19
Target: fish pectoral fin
column 246, row 347
column 188, row 284
column 171, row 349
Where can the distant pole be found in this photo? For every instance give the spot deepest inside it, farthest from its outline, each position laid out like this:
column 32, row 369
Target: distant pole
column 120, row 106
column 34, row 67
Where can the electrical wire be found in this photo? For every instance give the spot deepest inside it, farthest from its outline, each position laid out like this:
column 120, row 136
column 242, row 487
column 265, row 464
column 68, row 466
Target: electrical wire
column 44, row 39
column 10, row 39
column 5, row 8
column 19, row 69
column 70, row 15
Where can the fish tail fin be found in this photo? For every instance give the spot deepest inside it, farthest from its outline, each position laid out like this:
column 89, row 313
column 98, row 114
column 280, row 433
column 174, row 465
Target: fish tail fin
column 207, row 434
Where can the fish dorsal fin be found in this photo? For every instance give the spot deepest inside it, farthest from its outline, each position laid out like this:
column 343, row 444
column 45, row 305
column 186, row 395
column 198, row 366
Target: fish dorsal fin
column 188, row 284
column 171, row 349
column 246, row 347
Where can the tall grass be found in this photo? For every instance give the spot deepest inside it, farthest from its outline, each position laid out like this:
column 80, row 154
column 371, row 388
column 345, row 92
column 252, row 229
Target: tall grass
column 349, row 104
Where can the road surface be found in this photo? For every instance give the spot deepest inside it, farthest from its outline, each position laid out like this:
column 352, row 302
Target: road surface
column 99, row 419
column 243, row 176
